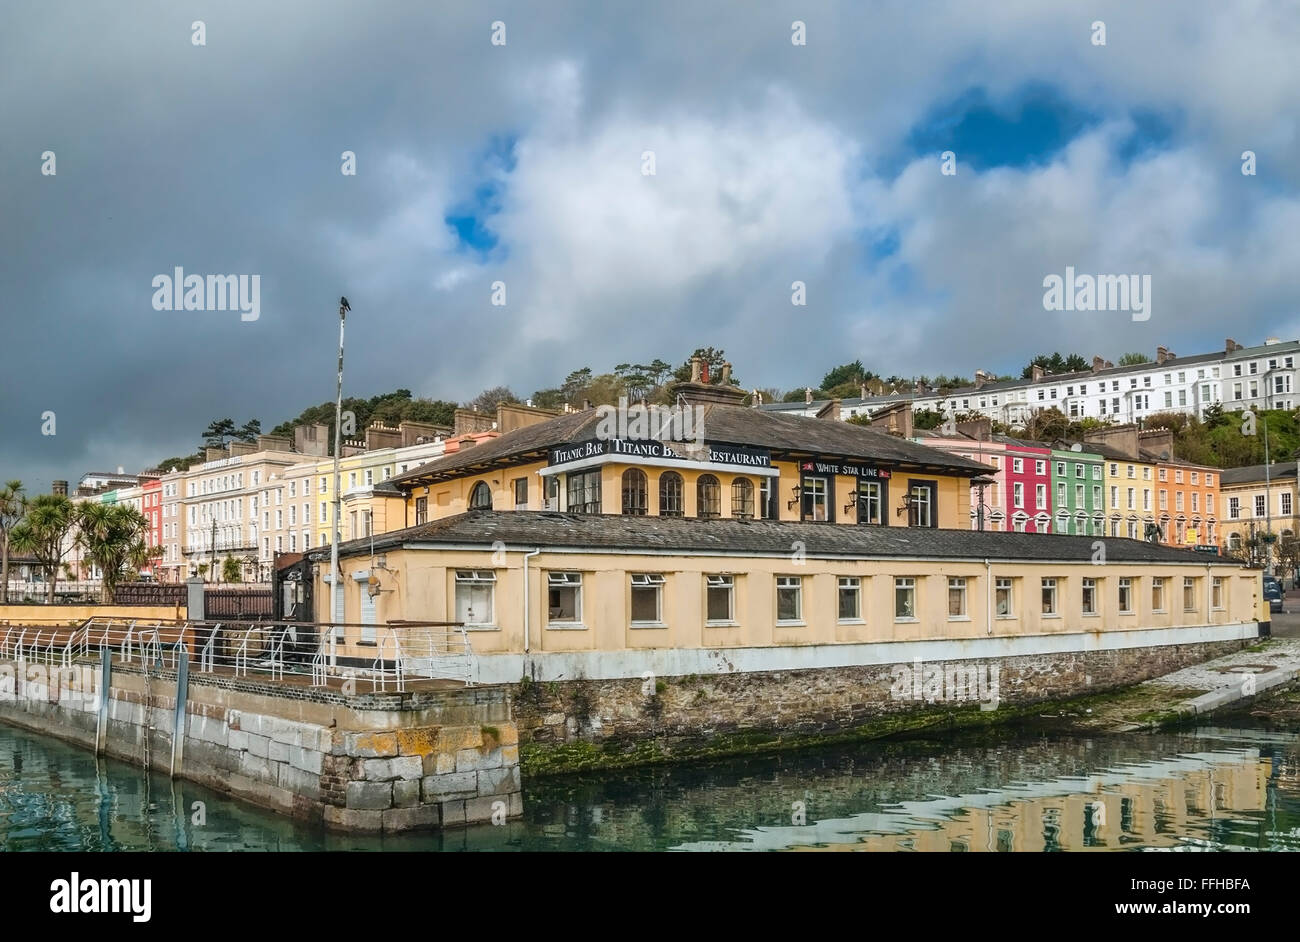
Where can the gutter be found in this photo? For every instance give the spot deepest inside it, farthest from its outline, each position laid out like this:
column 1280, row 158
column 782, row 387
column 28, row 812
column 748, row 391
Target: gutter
column 526, row 557
column 988, row 594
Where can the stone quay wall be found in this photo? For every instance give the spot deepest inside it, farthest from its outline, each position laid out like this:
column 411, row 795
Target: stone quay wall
column 692, row 715
column 372, row 762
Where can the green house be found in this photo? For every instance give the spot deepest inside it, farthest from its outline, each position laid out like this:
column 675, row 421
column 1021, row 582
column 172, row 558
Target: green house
column 1078, row 504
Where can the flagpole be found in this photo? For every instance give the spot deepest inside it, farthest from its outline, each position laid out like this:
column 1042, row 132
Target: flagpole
column 334, row 543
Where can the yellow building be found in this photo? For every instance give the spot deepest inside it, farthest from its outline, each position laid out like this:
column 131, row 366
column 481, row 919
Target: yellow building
column 602, row 595
column 1254, row 503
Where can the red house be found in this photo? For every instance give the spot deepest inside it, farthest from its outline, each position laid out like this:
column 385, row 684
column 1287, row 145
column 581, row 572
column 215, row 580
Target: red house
column 1029, row 485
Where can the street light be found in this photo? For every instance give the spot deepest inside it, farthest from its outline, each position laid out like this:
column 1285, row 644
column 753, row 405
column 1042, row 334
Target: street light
column 344, row 307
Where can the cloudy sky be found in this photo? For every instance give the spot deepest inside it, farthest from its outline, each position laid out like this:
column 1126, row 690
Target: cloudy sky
column 523, row 163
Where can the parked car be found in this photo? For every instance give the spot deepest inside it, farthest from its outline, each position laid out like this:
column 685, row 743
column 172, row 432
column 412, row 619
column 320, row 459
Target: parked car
column 1273, row 592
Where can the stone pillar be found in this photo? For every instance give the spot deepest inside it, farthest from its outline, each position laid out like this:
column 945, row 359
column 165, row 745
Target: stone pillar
column 194, row 604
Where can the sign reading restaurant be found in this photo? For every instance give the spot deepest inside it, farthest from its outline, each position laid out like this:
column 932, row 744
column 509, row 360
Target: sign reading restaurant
column 668, row 451
column 838, row 467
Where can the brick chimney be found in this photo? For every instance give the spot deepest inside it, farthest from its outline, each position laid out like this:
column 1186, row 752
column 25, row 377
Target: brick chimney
column 379, row 435
column 1035, row 373
column 1230, row 345
column 311, row 439
column 896, row 419
column 697, row 366
column 981, row 378
column 1098, row 364
column 980, row 429
column 830, row 411
column 726, row 374
column 1162, row 354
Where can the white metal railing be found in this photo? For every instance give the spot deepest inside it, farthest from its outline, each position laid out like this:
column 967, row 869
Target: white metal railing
column 279, row 651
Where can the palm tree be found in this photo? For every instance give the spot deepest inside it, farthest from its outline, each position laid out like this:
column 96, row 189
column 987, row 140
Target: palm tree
column 42, row 532
column 113, row 536
column 13, row 504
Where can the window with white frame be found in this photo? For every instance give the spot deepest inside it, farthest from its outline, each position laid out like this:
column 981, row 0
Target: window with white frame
column 475, row 597
column 647, row 598
column 789, row 599
column 720, row 599
column 1049, row 596
column 1189, row 594
column 1125, row 596
column 956, row 597
column 1216, row 593
column 1002, row 600
column 849, row 598
column 1089, row 596
column 904, row 598
column 1157, row 594
column 564, row 598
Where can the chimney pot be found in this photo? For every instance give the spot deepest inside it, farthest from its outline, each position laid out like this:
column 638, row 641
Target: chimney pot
column 697, row 364
column 726, row 374
column 807, row 394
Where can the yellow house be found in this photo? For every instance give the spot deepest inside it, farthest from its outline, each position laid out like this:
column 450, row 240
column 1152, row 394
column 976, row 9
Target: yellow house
column 1130, row 494
column 1256, row 501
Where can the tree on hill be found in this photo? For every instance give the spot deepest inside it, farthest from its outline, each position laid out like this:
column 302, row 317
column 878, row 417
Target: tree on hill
column 1054, row 363
column 249, row 431
column 488, row 399
column 850, row 373
column 217, row 433
column 714, row 358
column 1133, row 359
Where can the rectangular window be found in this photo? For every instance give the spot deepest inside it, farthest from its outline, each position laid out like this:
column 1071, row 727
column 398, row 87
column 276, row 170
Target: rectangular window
column 1286, row 503
column 647, row 598
column 1060, row 468
column 1178, row 500
column 475, row 595
column 850, row 598
column 956, row 598
column 421, row 510
column 1216, row 593
column 871, row 504
column 1125, row 597
column 1040, row 495
column 789, row 599
column 564, row 598
column 1049, row 597
column 767, row 497
column 720, row 599
column 1089, row 596
column 904, row 599
column 584, row 492
column 920, row 508
column 1259, row 505
column 1040, row 467
column 1017, row 465
column 1157, row 594
column 1189, row 594
column 521, row 493
column 1234, row 507
column 815, row 501
column 1002, row 598
column 1018, row 494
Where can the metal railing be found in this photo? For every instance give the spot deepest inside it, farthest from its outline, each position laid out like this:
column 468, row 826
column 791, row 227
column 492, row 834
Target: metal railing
column 392, row 656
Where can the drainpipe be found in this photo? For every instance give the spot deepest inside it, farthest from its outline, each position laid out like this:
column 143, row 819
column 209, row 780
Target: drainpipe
column 988, row 594
column 1209, row 594
column 527, row 556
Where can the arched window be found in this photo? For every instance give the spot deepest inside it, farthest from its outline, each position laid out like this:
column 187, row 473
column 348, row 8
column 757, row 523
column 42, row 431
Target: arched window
column 670, row 494
column 708, row 497
column 1234, row 541
column 480, row 497
column 634, row 492
column 742, row 498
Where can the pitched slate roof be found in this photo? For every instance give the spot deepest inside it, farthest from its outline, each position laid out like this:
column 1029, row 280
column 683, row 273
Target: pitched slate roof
column 1255, row 473
column 527, row 529
column 736, row 425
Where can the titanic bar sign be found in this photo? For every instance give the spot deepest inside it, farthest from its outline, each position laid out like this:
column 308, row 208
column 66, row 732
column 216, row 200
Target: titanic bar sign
column 666, row 451
column 836, row 467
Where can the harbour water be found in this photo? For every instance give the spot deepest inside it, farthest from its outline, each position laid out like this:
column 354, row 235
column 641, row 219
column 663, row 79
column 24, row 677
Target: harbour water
column 1213, row 788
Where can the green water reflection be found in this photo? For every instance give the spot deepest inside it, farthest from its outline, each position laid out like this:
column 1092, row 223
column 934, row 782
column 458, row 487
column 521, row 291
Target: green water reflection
column 1235, row 789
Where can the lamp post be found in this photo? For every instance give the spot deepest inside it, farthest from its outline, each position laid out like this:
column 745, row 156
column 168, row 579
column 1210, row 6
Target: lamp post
column 344, row 307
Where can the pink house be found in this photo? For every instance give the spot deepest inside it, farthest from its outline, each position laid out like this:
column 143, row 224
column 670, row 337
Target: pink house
column 988, row 501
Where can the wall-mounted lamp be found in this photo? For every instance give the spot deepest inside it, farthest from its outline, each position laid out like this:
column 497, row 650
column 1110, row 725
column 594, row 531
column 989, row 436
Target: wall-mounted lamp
column 852, row 505
column 905, row 506
column 796, row 491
